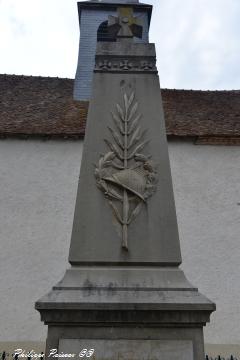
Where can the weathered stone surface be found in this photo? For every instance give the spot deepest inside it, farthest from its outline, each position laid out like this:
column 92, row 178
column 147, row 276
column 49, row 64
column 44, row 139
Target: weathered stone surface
column 153, row 235
column 190, row 338
column 128, row 289
column 129, row 349
column 119, row 277
column 106, row 291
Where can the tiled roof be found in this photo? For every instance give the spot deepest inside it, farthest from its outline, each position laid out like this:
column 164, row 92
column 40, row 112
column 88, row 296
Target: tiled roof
column 198, row 113
column 31, row 105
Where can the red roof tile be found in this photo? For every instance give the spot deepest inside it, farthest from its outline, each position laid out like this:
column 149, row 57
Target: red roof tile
column 31, row 105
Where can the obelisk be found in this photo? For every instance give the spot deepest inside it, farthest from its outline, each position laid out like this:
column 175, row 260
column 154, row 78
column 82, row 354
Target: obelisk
column 124, row 296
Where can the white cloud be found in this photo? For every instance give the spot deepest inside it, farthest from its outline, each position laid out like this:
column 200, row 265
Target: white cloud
column 197, row 41
column 39, row 37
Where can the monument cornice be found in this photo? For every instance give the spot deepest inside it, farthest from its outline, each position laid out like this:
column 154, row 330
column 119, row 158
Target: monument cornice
column 120, row 318
column 122, row 64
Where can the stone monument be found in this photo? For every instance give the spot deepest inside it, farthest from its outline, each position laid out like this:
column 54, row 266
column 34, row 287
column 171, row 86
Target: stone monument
column 124, row 296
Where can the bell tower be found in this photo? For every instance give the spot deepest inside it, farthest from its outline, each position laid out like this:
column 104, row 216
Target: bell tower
column 93, row 21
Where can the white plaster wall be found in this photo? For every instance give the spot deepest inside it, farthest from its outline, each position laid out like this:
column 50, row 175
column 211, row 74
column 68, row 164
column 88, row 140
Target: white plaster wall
column 207, row 195
column 38, row 182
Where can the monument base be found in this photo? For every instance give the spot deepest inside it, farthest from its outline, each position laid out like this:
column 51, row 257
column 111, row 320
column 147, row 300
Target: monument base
column 133, row 313
column 129, row 349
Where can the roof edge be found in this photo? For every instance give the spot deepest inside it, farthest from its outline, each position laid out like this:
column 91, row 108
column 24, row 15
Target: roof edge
column 113, row 6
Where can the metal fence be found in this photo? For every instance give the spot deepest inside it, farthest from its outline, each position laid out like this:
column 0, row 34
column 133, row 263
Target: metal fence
column 6, row 356
column 219, row 357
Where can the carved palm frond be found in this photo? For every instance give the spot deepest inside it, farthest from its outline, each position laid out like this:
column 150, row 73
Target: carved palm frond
column 124, row 174
column 134, row 124
column 114, row 149
column 138, row 148
column 116, row 137
column 118, row 123
column 132, row 112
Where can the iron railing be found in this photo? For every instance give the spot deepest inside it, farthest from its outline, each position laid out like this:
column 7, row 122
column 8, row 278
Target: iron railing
column 219, row 357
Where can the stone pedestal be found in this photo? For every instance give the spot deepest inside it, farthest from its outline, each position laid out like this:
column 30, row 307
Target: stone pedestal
column 125, row 296
column 130, row 313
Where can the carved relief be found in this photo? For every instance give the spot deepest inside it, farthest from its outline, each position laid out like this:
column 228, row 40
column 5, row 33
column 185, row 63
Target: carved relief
column 125, row 174
column 125, row 65
column 147, row 65
column 105, row 64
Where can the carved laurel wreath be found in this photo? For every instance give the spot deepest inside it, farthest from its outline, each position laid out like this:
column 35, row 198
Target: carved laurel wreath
column 126, row 176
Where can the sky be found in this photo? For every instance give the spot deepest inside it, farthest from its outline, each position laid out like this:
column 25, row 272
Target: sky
column 197, row 41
